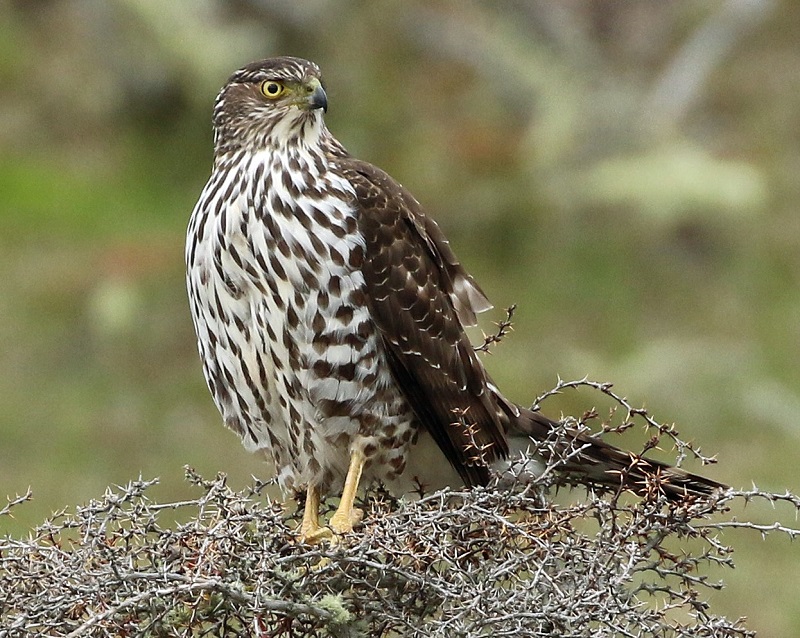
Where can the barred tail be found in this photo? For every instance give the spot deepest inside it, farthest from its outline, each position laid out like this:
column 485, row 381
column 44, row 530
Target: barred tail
column 593, row 461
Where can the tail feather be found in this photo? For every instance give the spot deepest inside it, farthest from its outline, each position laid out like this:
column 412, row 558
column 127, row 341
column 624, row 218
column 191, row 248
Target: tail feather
column 592, row 460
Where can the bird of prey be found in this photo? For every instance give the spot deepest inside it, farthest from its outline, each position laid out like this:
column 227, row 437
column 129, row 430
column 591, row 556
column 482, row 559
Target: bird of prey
column 330, row 314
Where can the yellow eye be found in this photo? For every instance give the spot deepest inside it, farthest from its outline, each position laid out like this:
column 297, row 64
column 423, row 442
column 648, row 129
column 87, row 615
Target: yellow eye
column 272, row 89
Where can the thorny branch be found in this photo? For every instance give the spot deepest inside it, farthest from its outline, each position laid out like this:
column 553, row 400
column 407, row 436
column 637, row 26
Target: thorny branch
column 13, row 502
column 684, row 448
column 501, row 560
column 503, row 328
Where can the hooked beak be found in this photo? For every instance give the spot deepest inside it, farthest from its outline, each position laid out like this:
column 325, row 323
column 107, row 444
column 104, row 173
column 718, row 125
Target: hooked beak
column 318, row 99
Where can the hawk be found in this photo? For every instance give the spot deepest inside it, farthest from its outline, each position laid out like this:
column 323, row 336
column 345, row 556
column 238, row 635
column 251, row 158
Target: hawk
column 330, row 314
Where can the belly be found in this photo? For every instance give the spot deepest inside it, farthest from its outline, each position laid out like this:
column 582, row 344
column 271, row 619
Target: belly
column 294, row 363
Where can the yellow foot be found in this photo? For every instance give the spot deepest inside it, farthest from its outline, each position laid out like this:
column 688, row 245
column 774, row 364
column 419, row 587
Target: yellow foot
column 347, row 516
column 343, row 522
column 310, row 530
column 314, row 534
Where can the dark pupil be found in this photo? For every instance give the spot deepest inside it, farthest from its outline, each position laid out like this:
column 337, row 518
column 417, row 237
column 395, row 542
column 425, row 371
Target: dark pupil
column 273, row 88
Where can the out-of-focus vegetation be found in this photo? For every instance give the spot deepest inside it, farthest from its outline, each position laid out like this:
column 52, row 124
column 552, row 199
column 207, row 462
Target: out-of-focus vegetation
column 626, row 172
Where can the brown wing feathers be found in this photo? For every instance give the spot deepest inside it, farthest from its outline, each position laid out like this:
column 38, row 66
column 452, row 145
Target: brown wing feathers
column 410, row 274
column 420, row 298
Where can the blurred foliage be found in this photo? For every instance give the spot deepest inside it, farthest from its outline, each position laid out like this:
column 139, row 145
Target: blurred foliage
column 626, row 172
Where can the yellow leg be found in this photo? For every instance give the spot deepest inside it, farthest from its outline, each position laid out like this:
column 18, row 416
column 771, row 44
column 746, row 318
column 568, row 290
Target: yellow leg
column 310, row 530
column 346, row 515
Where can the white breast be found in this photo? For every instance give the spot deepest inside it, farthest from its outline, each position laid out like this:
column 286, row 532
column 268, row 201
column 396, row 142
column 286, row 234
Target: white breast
column 288, row 349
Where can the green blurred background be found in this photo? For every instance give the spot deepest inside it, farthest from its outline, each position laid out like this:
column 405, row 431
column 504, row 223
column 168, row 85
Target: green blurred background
column 625, row 171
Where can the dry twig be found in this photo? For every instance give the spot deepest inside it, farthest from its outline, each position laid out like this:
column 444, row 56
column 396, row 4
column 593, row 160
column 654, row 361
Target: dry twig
column 501, row 561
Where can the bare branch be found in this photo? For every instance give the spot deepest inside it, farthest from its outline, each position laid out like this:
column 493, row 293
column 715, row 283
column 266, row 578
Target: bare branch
column 503, row 328
column 500, row 560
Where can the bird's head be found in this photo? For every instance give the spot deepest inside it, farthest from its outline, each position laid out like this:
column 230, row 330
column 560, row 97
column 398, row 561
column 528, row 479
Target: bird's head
column 268, row 104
